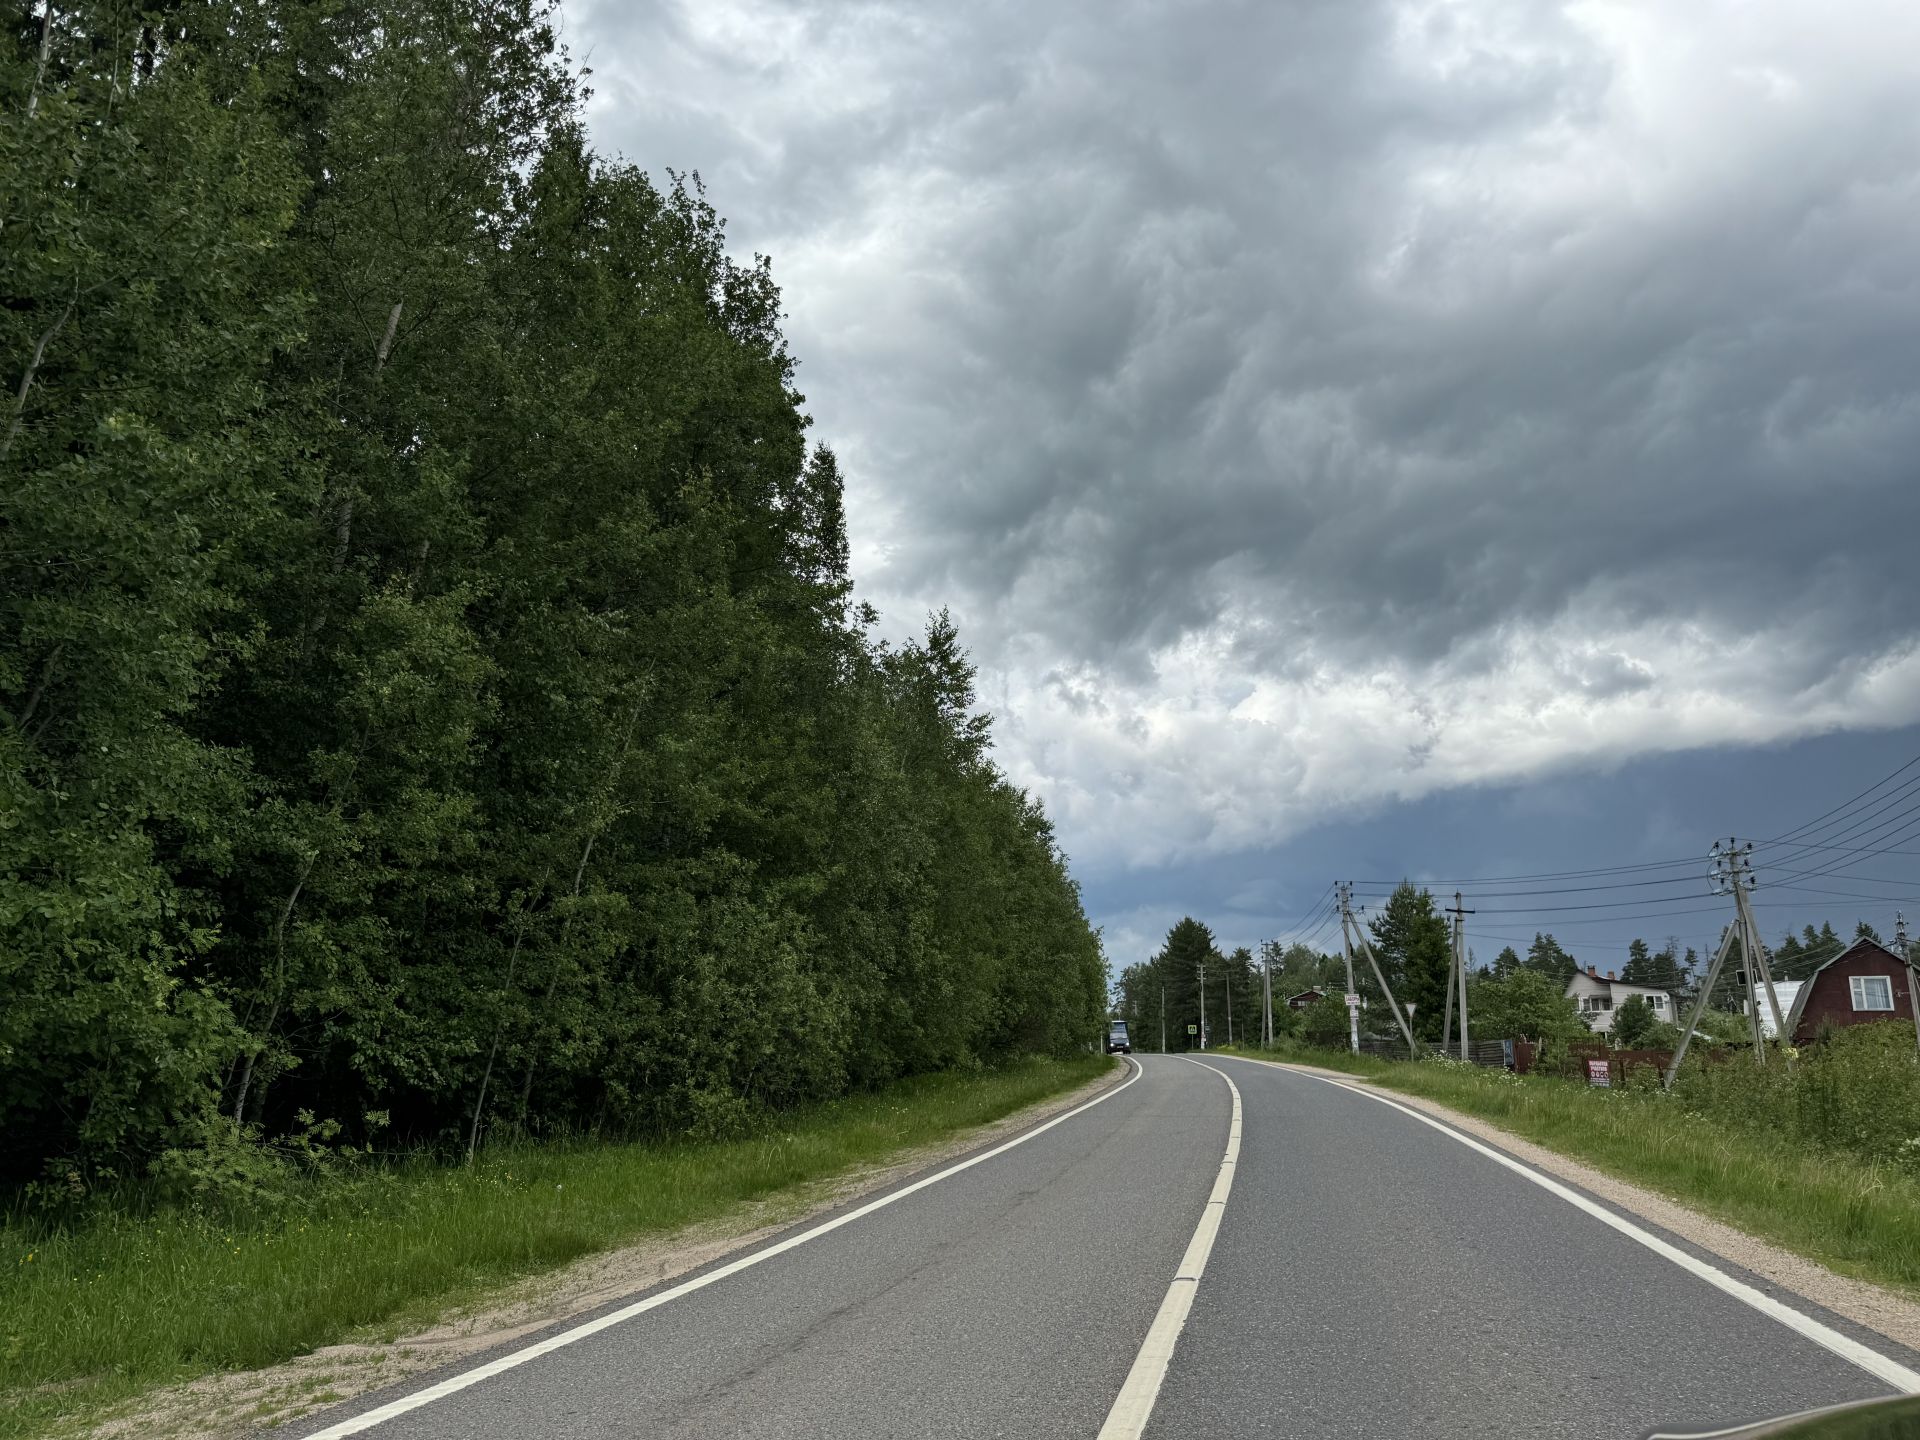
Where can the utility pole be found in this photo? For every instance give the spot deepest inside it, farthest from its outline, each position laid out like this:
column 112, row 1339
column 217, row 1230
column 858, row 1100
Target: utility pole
column 1163, row 1017
column 1373, row 963
column 1266, row 998
column 1203, row 1005
column 1913, row 974
column 1228, row 969
column 1731, row 872
column 1352, row 997
column 1457, row 977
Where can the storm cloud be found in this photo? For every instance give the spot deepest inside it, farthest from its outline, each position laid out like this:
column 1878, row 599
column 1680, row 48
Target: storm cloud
column 1305, row 406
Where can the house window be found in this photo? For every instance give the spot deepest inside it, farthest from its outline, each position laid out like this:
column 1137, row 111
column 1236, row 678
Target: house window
column 1658, row 1002
column 1872, row 992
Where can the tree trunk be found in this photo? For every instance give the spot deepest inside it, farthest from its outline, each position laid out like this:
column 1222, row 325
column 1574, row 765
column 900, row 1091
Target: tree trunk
column 39, row 689
column 480, row 1099
column 18, row 417
column 279, row 986
column 386, row 341
column 40, row 65
column 553, row 983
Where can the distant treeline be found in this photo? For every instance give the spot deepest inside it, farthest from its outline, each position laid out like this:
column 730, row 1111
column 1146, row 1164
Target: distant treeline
column 430, row 695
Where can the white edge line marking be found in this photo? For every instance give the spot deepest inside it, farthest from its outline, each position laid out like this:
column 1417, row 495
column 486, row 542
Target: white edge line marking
column 353, row 1425
column 1134, row 1404
column 1881, row 1367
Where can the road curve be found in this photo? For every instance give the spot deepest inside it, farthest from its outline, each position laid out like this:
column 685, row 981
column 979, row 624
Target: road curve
column 1371, row 1277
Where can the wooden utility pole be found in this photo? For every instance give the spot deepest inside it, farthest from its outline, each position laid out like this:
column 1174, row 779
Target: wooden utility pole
column 1203, row 1005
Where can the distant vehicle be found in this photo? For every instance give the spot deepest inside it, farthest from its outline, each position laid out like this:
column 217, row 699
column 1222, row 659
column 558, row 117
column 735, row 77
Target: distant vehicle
column 1117, row 1038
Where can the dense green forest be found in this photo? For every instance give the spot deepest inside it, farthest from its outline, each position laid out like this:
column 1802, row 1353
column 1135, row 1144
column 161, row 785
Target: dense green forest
column 432, row 702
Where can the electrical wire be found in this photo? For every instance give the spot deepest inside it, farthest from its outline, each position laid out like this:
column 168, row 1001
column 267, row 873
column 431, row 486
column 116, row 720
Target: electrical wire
column 1815, row 823
column 1841, row 867
column 1695, row 860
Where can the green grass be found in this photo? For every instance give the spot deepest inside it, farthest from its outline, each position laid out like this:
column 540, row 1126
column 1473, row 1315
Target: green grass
column 1856, row 1217
column 95, row 1313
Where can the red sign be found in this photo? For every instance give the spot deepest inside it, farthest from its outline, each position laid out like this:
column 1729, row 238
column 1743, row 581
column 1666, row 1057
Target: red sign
column 1599, row 1072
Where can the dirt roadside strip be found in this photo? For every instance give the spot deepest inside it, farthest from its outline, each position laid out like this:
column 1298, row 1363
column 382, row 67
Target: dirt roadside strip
column 1882, row 1311
column 250, row 1402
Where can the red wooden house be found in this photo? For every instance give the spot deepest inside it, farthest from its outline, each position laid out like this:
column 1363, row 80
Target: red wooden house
column 1863, row 983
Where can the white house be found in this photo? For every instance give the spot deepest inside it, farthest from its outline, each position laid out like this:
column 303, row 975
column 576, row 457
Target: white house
column 1599, row 996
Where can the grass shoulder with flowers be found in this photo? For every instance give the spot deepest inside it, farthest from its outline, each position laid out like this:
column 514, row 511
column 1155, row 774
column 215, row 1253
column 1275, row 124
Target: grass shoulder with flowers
column 98, row 1309
column 1820, row 1157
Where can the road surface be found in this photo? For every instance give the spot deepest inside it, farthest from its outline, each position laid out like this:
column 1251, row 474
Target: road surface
column 1371, row 1276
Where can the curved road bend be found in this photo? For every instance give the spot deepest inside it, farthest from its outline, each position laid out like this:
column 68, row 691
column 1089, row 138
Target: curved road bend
column 1371, row 1277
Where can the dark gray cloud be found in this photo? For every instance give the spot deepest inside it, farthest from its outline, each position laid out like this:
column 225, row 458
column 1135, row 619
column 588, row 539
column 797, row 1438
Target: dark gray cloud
column 1296, row 399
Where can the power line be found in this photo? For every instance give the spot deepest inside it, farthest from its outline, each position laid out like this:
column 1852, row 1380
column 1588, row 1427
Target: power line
column 1841, row 866
column 1326, row 895
column 1856, row 850
column 1571, row 889
column 1694, row 860
column 1815, row 822
column 1799, row 906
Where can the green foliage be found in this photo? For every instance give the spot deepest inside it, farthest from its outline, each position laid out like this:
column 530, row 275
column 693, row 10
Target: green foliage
column 1526, row 1004
column 1172, row 979
column 1415, row 949
column 429, row 684
column 1856, row 1091
column 1324, row 1022
column 1545, row 957
column 1300, row 967
column 1634, row 1022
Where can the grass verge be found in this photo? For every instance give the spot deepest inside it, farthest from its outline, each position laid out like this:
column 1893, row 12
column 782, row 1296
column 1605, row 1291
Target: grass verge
column 1855, row 1217
column 93, row 1314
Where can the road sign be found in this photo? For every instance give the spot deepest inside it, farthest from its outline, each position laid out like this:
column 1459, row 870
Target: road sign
column 1353, row 1001
column 1193, row 1029
column 1599, row 1072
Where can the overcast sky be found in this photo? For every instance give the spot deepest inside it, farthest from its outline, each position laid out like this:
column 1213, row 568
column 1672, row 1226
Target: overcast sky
column 1420, row 437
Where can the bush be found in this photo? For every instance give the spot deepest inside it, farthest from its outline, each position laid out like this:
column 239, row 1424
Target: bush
column 1633, row 1023
column 1324, row 1023
column 1527, row 1004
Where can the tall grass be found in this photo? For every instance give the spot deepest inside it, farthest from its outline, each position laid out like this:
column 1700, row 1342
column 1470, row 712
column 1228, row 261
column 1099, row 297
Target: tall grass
column 1719, row 1146
column 93, row 1311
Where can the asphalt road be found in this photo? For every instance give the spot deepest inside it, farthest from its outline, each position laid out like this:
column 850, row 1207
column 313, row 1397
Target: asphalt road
column 1371, row 1277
